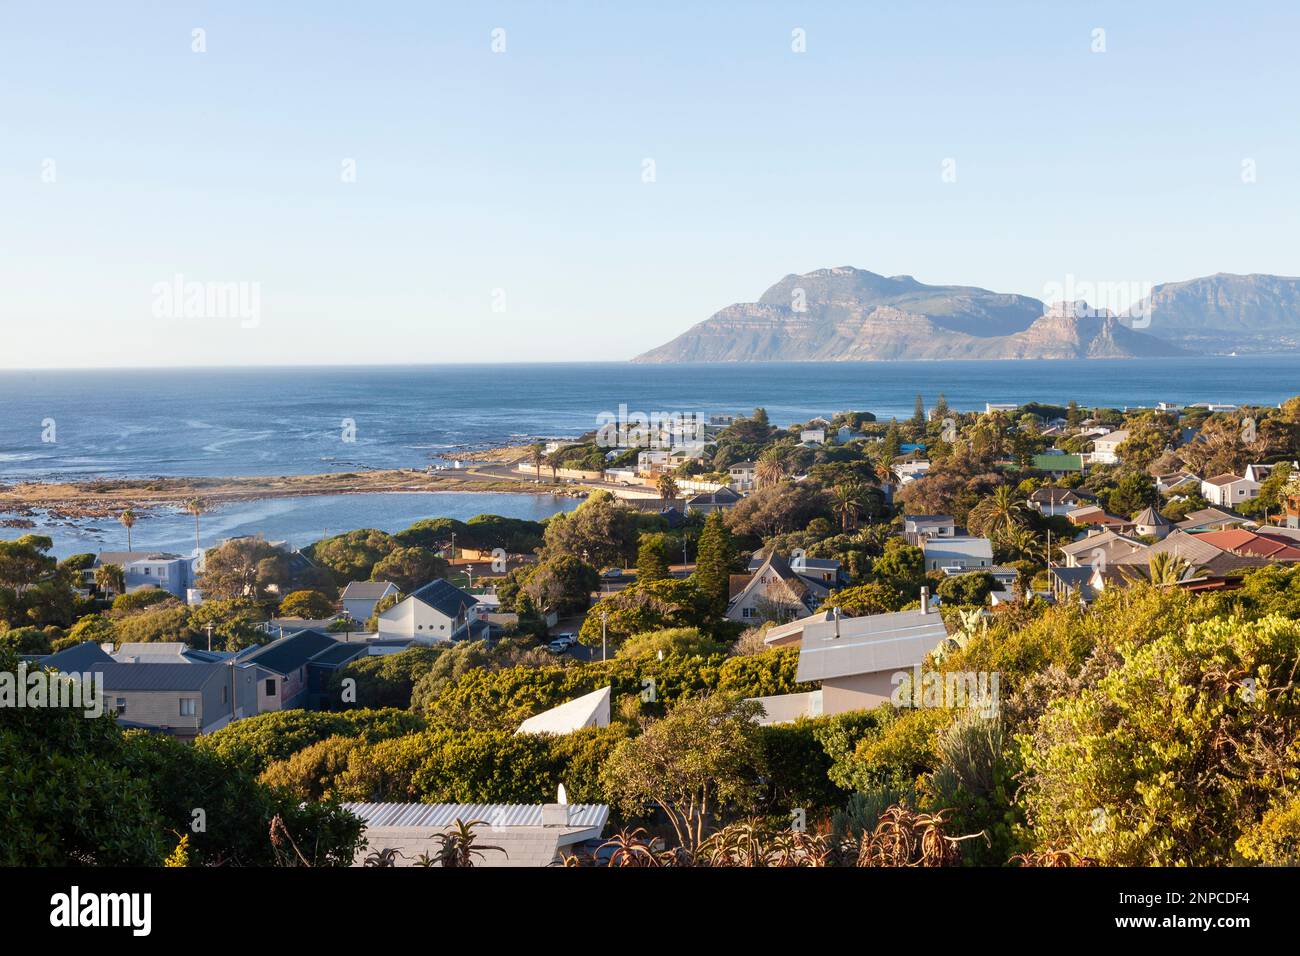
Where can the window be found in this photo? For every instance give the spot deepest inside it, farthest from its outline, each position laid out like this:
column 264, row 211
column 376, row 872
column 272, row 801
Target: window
column 188, row 707
column 270, row 687
column 747, row 612
column 121, row 705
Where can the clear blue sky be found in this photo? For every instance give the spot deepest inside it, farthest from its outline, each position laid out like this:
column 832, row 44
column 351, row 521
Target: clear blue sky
column 522, row 171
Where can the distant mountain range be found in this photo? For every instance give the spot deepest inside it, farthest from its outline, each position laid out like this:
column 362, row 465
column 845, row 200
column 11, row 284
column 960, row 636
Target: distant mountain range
column 848, row 314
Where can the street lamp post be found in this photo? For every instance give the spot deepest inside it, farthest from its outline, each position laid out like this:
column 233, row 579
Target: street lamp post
column 604, row 619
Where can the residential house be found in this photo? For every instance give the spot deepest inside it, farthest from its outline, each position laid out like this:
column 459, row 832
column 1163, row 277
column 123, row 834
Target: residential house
column 78, row 658
column 965, row 552
column 1055, row 501
column 652, row 462
column 1179, row 483
column 1150, row 523
column 918, row 527
column 774, row 591
column 1105, row 448
column 1072, row 583
column 1228, row 490
column 1094, row 515
column 169, row 572
column 858, row 661
column 709, row 501
column 284, row 680
column 437, row 613
column 819, row 571
column 1005, row 408
column 181, row 699
column 1101, row 547
column 1004, row 576
column 909, row 471
column 1200, row 552
column 589, row 710
column 360, row 597
column 743, row 474
column 1214, row 519
column 812, row 436
column 535, row 835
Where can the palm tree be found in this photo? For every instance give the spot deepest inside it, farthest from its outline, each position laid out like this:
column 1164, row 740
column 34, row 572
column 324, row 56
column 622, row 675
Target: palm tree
column 127, row 518
column 196, row 507
column 1168, row 569
column 110, row 577
column 667, row 487
column 537, row 452
column 1001, row 511
column 848, row 502
column 769, row 469
column 1021, row 542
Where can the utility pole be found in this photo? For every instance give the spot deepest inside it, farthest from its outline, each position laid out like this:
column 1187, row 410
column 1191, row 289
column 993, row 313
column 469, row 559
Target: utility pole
column 604, row 619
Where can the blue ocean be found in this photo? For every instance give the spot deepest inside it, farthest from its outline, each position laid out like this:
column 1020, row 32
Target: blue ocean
column 68, row 424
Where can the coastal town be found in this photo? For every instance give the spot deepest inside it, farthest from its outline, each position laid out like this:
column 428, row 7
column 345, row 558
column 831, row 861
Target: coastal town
column 845, row 641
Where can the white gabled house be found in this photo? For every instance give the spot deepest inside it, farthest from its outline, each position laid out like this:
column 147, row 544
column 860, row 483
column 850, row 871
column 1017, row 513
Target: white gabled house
column 437, row 613
column 1225, row 491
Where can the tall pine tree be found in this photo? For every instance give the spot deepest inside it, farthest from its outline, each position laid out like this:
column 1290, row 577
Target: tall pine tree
column 716, row 554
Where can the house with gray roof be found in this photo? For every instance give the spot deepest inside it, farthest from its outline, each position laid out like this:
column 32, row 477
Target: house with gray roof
column 169, row 572
column 856, row 660
column 962, row 552
column 527, row 834
column 360, row 597
column 76, row 659
column 181, row 699
column 294, row 670
column 437, row 613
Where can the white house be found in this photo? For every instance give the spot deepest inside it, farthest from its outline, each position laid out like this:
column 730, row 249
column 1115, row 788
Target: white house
column 437, row 613
column 775, row 591
column 957, row 552
column 812, row 436
column 859, row 662
column 1228, row 490
column 918, row 527
column 908, row 471
column 1054, row 501
column 743, row 474
column 360, row 597
column 1105, row 447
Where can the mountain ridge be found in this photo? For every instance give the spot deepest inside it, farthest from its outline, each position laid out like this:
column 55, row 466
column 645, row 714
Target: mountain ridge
column 849, row 314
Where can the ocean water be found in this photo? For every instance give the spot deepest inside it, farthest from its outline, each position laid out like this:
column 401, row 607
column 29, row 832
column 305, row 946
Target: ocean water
column 268, row 421
column 68, row 425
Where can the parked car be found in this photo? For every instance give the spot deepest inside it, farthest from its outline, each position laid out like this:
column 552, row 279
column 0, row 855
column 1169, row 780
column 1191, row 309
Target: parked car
column 562, row 642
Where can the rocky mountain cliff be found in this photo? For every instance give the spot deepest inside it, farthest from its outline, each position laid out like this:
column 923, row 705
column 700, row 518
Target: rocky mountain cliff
column 848, row 314
column 1223, row 313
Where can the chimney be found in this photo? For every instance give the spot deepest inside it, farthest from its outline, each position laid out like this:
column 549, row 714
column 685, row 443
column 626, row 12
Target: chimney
column 555, row 814
column 925, row 600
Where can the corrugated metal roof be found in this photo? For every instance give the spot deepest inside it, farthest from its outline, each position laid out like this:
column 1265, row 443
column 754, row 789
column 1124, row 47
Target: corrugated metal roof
column 439, row 815
column 868, row 645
